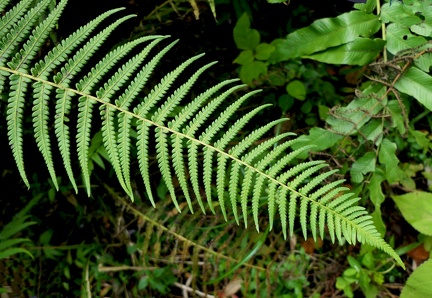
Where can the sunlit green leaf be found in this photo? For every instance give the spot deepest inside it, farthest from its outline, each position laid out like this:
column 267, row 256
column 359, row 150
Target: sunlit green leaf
column 418, row 84
column 416, row 208
column 328, row 32
column 419, row 283
column 361, row 51
column 252, row 71
column 296, row 89
column 362, row 166
column 244, row 37
column 387, row 157
column 321, row 138
column 263, row 51
column 244, row 58
column 400, row 38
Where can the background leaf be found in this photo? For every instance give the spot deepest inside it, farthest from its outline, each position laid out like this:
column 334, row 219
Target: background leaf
column 400, row 38
column 361, row 51
column 328, row 32
column 418, row 84
column 363, row 165
column 418, row 284
column 416, row 207
column 387, row 157
column 296, row 89
column 244, row 37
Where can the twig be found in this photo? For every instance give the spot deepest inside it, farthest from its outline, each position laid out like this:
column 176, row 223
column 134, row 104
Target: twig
column 189, row 289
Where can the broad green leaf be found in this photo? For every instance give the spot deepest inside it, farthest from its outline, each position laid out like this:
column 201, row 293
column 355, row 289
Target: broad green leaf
column 377, row 197
column 321, row 138
column 296, row 89
column 424, row 62
column 367, row 7
column 244, row 37
column 361, row 51
column 373, row 131
column 416, row 208
column 399, row 14
column 397, row 118
column 252, row 71
column 362, row 166
column 244, row 58
column 349, row 119
column 418, row 84
column 328, row 32
column 400, row 38
column 263, row 51
column 419, row 283
column 421, row 138
column 387, row 157
column 422, row 29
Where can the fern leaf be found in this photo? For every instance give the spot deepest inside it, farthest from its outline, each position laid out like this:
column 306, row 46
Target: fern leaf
column 282, row 206
column 314, row 207
column 4, row 3
column 124, row 101
column 190, row 109
column 272, row 203
column 85, row 109
column 142, row 156
column 11, row 41
column 207, row 176
column 208, row 134
column 109, row 133
column 63, row 105
column 244, row 194
column 176, row 124
column 36, row 39
column 88, row 81
column 75, row 64
column 58, row 55
column 12, row 16
column 190, row 130
column 18, row 86
column 85, row 115
column 163, row 112
column 295, row 194
column 179, row 168
column 247, row 159
column 42, row 69
column 163, row 162
column 40, row 125
column 221, row 144
column 173, row 100
column 236, row 151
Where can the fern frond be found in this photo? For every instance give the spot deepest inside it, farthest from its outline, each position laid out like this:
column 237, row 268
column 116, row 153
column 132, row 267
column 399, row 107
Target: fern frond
column 58, row 55
column 12, row 16
column 11, row 41
column 18, row 86
column 4, row 3
column 112, row 145
column 125, row 100
column 36, row 39
column 194, row 144
column 190, row 130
